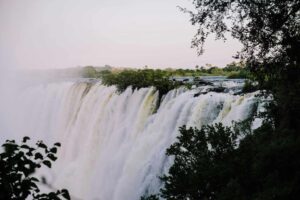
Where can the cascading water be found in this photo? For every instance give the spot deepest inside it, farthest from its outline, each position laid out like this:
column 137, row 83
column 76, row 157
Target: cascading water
column 113, row 145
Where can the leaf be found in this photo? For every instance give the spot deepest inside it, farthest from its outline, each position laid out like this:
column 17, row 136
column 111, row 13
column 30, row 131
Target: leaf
column 33, row 185
column 10, row 145
column 25, row 139
column 24, row 146
column 42, row 145
column 47, row 163
column 52, row 157
column 38, row 156
column 53, row 150
column 34, row 179
column 65, row 194
column 57, row 144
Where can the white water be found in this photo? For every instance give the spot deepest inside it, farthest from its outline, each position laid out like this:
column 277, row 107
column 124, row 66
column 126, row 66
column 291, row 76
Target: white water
column 113, row 145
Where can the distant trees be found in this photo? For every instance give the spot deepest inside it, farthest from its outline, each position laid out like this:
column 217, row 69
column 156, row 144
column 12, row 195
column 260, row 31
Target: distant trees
column 234, row 70
column 18, row 163
column 90, row 72
column 139, row 79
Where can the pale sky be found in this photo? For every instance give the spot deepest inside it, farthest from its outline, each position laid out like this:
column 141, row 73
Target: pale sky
column 130, row 33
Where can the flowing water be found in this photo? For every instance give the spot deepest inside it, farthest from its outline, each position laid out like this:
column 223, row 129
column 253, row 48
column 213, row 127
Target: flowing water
column 113, row 144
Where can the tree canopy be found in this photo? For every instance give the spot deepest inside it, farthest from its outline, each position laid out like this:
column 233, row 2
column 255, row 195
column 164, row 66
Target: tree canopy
column 270, row 33
column 211, row 162
column 266, row 28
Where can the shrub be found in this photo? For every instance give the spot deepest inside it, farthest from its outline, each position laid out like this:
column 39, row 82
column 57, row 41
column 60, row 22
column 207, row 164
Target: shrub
column 18, row 162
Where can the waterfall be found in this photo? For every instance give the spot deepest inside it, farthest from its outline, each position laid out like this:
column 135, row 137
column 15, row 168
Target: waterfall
column 113, row 144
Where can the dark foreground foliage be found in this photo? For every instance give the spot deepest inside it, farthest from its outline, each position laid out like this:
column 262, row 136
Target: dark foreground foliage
column 18, row 162
column 208, row 164
column 265, row 165
column 270, row 34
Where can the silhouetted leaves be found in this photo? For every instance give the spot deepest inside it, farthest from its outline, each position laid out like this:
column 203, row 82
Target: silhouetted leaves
column 52, row 157
column 65, row 193
column 269, row 33
column 25, row 139
column 47, row 163
column 57, row 144
column 209, row 164
column 18, row 163
column 38, row 156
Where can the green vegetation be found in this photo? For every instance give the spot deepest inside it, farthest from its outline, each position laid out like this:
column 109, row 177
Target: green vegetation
column 161, row 79
column 202, row 163
column 269, row 33
column 18, row 163
column 139, row 79
column 232, row 70
column 249, row 86
column 210, row 163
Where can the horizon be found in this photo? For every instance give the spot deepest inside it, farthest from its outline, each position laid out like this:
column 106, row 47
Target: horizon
column 53, row 34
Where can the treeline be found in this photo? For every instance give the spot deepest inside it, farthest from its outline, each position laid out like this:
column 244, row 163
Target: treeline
column 161, row 79
column 139, row 79
column 232, row 70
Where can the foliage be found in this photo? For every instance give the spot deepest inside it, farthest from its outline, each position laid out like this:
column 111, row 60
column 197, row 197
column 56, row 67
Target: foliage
column 18, row 162
column 139, row 79
column 249, row 86
column 210, row 164
column 232, row 70
column 201, row 164
column 263, row 27
column 269, row 32
column 161, row 79
column 90, row 72
column 242, row 74
column 265, row 164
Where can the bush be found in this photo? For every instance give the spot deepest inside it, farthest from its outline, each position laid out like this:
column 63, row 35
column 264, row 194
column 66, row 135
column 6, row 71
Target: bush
column 18, row 162
column 139, row 79
column 202, row 163
column 249, row 86
column 210, row 164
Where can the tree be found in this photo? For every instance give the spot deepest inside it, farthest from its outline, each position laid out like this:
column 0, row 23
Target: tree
column 270, row 33
column 211, row 163
column 265, row 163
column 139, row 79
column 202, row 163
column 18, row 162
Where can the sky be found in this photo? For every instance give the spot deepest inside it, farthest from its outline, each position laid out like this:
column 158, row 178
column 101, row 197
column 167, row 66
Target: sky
column 46, row 34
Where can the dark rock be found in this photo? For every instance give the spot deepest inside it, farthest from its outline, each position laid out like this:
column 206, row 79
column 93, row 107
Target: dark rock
column 202, row 82
column 217, row 89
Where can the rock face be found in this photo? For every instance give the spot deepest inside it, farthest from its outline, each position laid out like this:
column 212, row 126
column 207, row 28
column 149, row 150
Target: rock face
column 191, row 80
column 211, row 89
column 217, row 89
column 202, row 82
